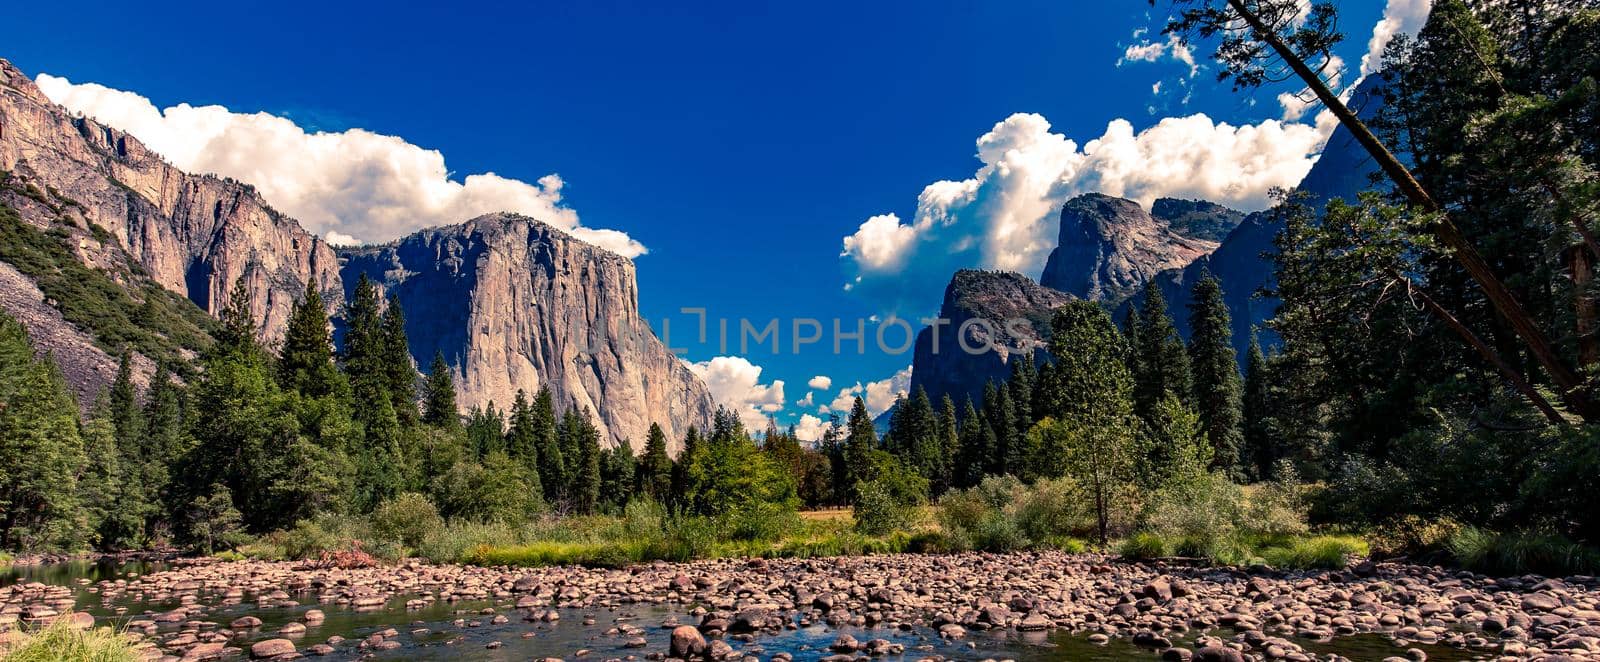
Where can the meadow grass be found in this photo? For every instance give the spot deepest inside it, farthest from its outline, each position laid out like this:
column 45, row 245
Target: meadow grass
column 61, row 642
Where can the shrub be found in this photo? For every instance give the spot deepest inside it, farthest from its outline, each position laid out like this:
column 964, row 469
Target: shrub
column 62, row 642
column 1412, row 536
column 1003, row 514
column 452, row 543
column 1144, row 545
column 407, row 519
column 880, row 508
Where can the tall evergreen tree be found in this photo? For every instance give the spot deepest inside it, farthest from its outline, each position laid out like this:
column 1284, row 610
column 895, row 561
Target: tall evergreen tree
column 380, row 465
column 655, row 468
column 1217, row 388
column 1002, row 419
column 584, row 492
column 439, row 395
column 1020, row 386
column 552, row 468
column 618, row 476
column 165, row 425
column 977, row 446
column 949, row 446
column 692, row 447
column 1257, row 452
column 861, row 440
column 400, row 371
column 1162, row 359
column 305, row 365
column 40, row 450
column 486, row 429
column 521, row 443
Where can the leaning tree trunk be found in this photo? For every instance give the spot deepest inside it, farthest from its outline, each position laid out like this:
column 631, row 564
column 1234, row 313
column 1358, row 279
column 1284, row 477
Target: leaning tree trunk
column 1568, row 382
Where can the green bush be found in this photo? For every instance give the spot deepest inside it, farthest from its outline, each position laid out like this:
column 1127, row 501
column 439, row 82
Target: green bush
column 881, row 509
column 1144, row 545
column 407, row 519
column 1412, row 536
column 1003, row 514
column 61, row 642
column 452, row 543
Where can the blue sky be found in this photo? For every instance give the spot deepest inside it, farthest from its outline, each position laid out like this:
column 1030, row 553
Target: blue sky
column 739, row 142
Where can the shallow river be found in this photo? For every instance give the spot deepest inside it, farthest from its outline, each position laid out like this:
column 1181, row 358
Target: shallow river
column 457, row 631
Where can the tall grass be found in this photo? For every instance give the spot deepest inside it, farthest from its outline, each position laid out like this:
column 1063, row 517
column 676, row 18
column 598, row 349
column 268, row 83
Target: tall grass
column 1522, row 552
column 61, row 642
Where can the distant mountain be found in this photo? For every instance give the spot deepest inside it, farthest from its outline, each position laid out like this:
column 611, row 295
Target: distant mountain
column 977, row 307
column 1110, row 247
column 513, row 303
column 1343, row 170
column 104, row 247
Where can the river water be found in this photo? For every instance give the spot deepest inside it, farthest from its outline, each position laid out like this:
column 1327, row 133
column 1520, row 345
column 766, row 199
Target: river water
column 458, row 631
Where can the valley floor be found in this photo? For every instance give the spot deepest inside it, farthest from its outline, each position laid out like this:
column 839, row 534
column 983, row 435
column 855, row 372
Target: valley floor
column 895, row 604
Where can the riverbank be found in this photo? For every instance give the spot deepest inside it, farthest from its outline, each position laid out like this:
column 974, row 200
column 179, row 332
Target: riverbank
column 1207, row 613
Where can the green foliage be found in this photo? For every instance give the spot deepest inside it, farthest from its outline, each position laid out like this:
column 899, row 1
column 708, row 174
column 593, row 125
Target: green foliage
column 497, row 489
column 41, row 453
column 407, row 519
column 213, row 521
column 1208, row 516
column 1318, row 552
column 1158, row 361
column 655, row 468
column 62, row 642
column 439, row 395
column 727, row 474
column 881, row 508
column 1411, row 536
column 1217, row 387
column 1097, row 411
column 1004, row 514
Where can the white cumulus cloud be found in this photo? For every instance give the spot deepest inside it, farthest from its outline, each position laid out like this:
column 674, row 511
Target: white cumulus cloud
column 351, row 186
column 1399, row 17
column 1151, row 51
column 810, row 428
column 1006, row 215
column 735, row 383
column 879, row 396
column 820, row 382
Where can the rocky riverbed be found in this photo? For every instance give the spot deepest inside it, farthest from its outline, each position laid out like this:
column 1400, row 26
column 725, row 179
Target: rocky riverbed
column 962, row 606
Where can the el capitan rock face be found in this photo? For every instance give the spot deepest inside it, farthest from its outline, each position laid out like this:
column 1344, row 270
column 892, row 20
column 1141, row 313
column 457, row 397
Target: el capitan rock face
column 996, row 296
column 513, row 304
column 192, row 234
column 1109, row 247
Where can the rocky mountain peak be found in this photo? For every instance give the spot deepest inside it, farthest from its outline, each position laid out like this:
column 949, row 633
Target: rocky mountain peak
column 1109, row 247
column 1001, row 314
column 514, row 303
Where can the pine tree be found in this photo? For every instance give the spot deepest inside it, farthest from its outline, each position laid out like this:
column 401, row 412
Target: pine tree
column 949, row 445
column 680, row 467
column 1002, row 418
column 1257, row 451
column 399, row 369
column 977, row 446
column 305, row 364
column 521, row 438
column 380, row 465
column 166, row 430
column 249, row 439
column 655, row 468
column 1162, row 359
column 914, row 434
column 618, row 469
column 439, row 399
column 486, row 429
column 862, row 439
column 111, row 501
column 585, row 490
column 1175, row 447
column 1216, row 373
column 1020, row 386
column 552, row 466
column 41, row 453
